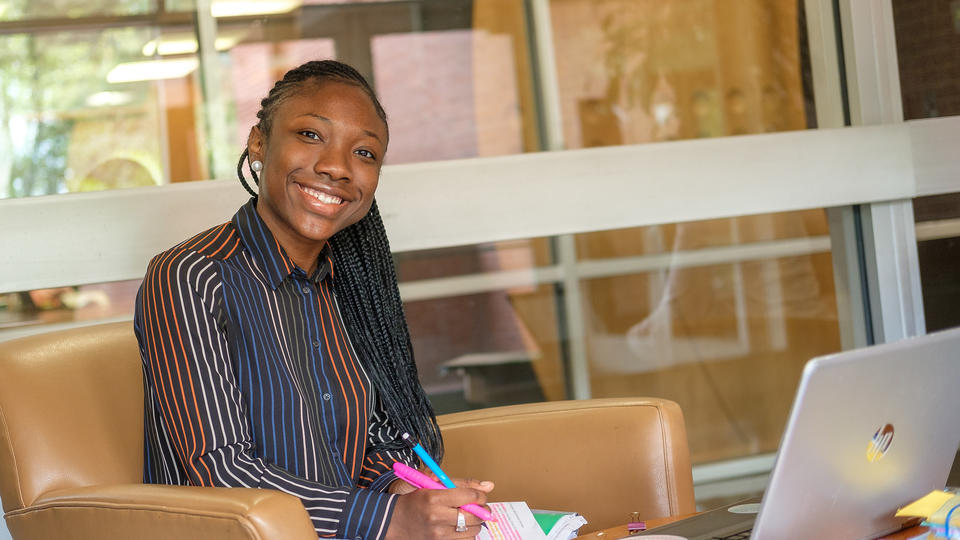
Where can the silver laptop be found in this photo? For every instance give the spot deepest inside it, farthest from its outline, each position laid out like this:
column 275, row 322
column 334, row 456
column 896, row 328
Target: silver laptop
column 870, row 430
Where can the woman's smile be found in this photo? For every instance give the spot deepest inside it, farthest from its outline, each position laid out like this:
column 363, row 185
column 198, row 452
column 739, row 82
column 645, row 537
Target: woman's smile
column 323, row 198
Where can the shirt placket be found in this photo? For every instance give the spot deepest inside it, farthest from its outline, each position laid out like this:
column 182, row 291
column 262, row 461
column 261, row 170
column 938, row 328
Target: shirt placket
column 328, row 402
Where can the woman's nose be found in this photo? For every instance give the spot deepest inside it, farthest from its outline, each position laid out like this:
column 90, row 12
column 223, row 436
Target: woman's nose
column 335, row 162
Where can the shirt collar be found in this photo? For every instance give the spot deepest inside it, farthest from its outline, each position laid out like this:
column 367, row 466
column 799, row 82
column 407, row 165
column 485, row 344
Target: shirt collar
column 269, row 254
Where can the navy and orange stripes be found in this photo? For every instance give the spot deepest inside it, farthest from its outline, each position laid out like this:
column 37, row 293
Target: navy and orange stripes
column 251, row 380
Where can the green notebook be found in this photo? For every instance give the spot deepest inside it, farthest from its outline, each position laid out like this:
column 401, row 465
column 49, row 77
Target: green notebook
column 561, row 525
column 547, row 520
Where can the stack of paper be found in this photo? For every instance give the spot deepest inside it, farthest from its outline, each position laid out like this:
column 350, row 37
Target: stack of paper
column 515, row 521
column 938, row 509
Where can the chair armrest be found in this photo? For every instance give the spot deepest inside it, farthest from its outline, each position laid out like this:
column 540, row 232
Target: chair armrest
column 147, row 512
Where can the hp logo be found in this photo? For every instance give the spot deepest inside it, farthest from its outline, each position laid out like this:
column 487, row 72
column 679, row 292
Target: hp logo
column 880, row 443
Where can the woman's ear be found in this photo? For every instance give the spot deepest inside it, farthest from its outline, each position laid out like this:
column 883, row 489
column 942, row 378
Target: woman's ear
column 255, row 144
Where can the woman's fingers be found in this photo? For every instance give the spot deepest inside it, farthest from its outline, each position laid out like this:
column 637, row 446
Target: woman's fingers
column 485, row 486
column 433, row 514
column 456, row 497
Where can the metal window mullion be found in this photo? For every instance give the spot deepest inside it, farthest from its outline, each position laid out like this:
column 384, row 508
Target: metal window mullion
column 824, row 63
column 851, row 307
column 213, row 102
column 827, row 67
column 889, row 242
column 893, row 272
column 548, row 88
column 547, row 83
column 578, row 369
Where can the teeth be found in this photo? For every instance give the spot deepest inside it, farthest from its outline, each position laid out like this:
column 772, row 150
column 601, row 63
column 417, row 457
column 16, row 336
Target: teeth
column 321, row 196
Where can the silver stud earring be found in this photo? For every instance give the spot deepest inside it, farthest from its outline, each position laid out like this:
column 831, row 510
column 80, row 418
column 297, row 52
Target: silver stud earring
column 257, row 165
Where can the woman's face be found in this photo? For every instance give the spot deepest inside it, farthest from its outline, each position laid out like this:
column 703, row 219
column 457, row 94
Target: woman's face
column 321, row 163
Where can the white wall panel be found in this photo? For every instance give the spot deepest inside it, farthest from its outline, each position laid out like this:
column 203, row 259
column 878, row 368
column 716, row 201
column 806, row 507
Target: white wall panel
column 107, row 236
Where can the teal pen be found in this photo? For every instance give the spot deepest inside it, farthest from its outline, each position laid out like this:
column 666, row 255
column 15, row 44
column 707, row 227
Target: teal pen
column 429, row 462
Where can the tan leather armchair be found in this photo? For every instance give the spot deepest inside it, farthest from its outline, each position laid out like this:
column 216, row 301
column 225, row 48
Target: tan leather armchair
column 603, row 458
column 71, row 452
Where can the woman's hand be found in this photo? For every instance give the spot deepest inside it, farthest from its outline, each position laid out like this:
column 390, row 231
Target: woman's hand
column 431, row 514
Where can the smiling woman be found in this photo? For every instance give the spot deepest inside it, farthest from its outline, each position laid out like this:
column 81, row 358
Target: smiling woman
column 275, row 347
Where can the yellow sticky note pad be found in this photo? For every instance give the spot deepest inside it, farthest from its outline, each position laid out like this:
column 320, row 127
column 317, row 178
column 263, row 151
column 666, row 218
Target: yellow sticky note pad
column 927, row 505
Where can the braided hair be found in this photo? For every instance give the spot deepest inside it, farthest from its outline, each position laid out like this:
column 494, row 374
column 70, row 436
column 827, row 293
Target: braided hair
column 366, row 281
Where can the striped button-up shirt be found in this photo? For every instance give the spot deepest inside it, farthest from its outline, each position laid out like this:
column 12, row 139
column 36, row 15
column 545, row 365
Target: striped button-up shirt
column 251, row 380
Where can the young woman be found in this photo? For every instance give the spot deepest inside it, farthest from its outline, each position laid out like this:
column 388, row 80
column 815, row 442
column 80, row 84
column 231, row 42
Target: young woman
column 275, row 348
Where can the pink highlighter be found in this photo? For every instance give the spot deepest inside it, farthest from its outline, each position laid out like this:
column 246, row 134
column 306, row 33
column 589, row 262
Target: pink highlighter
column 421, row 481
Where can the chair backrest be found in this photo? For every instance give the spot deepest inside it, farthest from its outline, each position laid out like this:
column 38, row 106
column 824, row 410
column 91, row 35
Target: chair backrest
column 603, row 458
column 71, row 412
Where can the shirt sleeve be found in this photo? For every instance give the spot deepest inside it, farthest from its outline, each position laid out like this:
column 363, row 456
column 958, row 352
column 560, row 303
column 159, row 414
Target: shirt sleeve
column 187, row 363
column 377, row 469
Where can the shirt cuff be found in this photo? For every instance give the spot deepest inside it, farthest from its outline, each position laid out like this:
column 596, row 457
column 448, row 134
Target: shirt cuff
column 366, row 515
column 382, row 482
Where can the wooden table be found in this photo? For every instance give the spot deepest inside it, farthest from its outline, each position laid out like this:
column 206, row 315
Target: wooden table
column 621, row 531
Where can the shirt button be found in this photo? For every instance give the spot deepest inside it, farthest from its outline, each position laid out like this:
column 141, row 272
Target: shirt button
column 326, row 396
column 305, row 289
column 316, row 344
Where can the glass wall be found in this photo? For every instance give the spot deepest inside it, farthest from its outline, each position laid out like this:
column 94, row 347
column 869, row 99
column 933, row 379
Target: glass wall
column 928, row 38
column 696, row 319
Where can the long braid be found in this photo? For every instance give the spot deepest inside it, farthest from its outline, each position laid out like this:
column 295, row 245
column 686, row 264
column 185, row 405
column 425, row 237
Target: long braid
column 366, row 287
column 366, row 281
column 256, row 180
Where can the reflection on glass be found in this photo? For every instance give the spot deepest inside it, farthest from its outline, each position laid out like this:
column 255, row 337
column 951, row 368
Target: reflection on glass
column 15, row 10
column 20, row 311
column 63, row 126
column 476, row 351
column 634, row 71
column 463, row 81
column 722, row 325
column 480, row 343
column 726, row 341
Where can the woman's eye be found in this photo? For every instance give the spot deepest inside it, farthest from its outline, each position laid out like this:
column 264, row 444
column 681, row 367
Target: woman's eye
column 366, row 153
column 309, row 134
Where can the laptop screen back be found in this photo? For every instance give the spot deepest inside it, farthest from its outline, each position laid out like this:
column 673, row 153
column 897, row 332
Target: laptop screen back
column 870, row 430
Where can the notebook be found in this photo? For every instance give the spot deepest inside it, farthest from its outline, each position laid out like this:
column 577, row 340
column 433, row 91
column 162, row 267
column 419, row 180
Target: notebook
column 515, row 521
column 870, row 430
